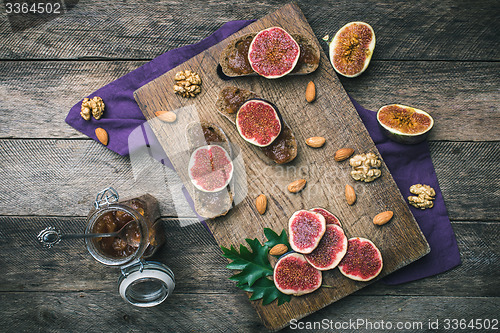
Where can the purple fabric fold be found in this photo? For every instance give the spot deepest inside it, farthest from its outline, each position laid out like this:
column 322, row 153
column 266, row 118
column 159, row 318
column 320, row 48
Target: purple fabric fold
column 408, row 164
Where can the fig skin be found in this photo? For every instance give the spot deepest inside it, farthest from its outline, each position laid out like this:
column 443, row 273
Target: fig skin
column 330, row 250
column 349, row 260
column 339, row 42
column 305, row 283
column 277, row 117
column 396, row 134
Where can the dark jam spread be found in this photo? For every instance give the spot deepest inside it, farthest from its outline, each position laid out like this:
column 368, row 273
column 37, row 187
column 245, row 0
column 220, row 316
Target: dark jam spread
column 211, row 136
column 281, row 149
column 233, row 99
column 238, row 57
column 307, row 56
column 116, row 247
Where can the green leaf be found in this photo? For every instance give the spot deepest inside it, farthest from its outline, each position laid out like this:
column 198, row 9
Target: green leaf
column 265, row 289
column 274, row 238
column 254, row 267
column 253, row 264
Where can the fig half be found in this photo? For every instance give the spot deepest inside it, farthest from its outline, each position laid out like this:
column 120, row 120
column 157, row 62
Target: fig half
column 352, row 48
column 258, row 122
column 329, row 217
column 305, row 229
column 331, row 249
column 363, row 260
column 293, row 275
column 404, row 124
column 210, row 168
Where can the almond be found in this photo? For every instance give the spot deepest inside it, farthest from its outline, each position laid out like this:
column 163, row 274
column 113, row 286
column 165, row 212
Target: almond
column 343, row 154
column 383, row 217
column 297, row 185
column 166, row 116
column 316, row 141
column 261, row 204
column 278, row 249
column 310, row 92
column 350, row 195
column 102, row 135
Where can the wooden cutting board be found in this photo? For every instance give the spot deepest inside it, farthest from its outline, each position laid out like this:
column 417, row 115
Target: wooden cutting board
column 332, row 116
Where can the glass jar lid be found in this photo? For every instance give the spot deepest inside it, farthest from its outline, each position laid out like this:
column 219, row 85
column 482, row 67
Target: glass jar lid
column 146, row 283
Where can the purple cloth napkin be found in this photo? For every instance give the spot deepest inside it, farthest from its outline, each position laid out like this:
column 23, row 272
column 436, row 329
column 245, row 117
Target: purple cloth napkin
column 408, row 164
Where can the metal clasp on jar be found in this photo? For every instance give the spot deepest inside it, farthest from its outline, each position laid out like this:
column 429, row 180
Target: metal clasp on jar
column 106, row 197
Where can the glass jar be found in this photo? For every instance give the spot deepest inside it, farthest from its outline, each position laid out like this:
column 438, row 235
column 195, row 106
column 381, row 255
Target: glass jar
column 141, row 283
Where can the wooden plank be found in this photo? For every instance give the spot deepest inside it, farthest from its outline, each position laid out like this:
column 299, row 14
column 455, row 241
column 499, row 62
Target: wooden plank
column 456, row 163
column 79, row 170
column 410, row 30
column 28, row 312
column 454, row 159
column 196, row 260
column 464, row 103
column 333, row 116
column 423, row 84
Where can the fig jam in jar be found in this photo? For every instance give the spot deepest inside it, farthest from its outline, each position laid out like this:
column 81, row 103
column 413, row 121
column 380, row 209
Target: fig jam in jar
column 141, row 283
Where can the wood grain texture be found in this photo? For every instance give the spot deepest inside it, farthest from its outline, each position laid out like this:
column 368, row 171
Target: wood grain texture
column 62, row 312
column 426, row 29
column 332, row 116
column 454, row 93
column 79, row 169
column 197, row 262
column 457, row 81
column 456, row 164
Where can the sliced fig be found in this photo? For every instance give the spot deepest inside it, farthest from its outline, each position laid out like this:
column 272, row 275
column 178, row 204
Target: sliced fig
column 258, row 122
column 351, row 49
column 305, row 229
column 331, row 249
column 404, row 124
column 293, row 275
column 273, row 53
column 283, row 149
column 329, row 217
column 234, row 62
column 363, row 260
column 210, row 168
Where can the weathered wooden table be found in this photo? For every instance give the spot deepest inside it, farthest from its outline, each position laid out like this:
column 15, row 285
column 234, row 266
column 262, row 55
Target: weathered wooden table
column 440, row 56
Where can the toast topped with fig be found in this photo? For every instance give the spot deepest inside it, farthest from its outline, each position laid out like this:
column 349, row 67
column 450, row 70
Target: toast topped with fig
column 250, row 54
column 210, row 169
column 278, row 145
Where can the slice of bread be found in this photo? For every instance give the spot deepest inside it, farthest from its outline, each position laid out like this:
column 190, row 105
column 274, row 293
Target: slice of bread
column 232, row 54
column 283, row 149
column 215, row 204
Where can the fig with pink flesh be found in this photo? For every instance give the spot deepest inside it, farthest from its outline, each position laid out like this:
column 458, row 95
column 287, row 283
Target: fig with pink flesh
column 330, row 250
column 293, row 275
column 363, row 260
column 305, row 229
column 273, row 53
column 258, row 122
column 210, row 168
column 351, row 49
column 329, row 217
column 404, row 124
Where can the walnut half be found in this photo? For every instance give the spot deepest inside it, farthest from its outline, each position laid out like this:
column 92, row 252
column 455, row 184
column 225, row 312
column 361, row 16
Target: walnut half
column 95, row 106
column 188, row 83
column 365, row 167
column 425, row 195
